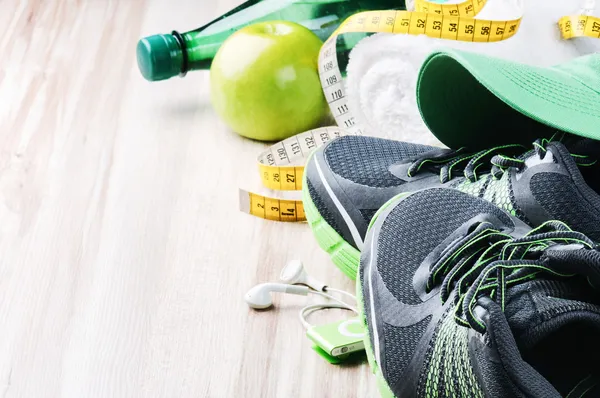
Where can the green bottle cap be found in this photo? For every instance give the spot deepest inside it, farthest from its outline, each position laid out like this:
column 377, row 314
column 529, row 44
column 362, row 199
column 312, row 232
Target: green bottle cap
column 159, row 57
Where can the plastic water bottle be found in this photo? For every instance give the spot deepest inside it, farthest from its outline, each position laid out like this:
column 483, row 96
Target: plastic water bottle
column 164, row 56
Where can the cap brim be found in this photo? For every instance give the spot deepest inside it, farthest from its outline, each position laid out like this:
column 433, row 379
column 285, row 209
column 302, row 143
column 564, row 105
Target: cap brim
column 476, row 101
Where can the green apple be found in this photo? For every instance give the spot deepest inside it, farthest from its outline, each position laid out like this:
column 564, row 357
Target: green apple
column 265, row 82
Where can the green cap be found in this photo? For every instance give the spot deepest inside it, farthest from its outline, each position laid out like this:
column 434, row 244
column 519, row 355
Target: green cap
column 159, row 57
column 476, row 101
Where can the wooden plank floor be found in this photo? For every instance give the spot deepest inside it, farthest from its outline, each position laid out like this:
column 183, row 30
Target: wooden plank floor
column 123, row 257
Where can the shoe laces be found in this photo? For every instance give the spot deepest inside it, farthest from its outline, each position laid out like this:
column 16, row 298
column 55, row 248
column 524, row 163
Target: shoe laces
column 488, row 262
column 498, row 160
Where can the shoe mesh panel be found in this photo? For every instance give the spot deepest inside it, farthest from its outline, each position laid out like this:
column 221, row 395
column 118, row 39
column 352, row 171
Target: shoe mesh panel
column 499, row 192
column 400, row 346
column 411, row 231
column 558, row 297
column 322, row 208
column 448, row 371
column 365, row 160
column 517, row 211
column 559, row 196
column 368, row 214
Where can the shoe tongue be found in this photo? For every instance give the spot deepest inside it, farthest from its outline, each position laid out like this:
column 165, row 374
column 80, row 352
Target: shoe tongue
column 539, row 307
column 590, row 151
column 582, row 146
column 586, row 150
column 556, row 152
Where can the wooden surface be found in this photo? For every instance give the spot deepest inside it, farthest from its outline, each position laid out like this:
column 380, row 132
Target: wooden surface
column 123, row 257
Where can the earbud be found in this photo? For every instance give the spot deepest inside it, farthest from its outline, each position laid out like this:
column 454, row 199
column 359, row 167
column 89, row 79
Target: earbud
column 294, row 274
column 259, row 297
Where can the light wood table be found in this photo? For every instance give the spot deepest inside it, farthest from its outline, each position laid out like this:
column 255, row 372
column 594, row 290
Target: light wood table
column 123, row 257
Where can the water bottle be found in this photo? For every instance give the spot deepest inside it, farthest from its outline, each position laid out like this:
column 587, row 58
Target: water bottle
column 164, row 56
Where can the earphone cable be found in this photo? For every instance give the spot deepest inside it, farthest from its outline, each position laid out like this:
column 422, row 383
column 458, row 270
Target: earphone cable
column 342, row 292
column 309, row 309
column 335, row 299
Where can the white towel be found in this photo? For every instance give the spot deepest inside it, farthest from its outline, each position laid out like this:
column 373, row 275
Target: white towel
column 383, row 69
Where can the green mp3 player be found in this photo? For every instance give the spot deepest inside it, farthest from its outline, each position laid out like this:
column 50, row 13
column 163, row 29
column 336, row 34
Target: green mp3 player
column 339, row 338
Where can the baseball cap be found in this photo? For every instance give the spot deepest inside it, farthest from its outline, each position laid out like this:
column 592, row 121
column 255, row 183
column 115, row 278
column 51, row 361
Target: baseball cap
column 477, row 101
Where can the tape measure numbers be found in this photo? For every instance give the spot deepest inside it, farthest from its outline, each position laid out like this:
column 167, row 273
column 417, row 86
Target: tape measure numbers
column 281, row 168
column 271, row 208
column 579, row 26
column 282, row 165
column 582, row 24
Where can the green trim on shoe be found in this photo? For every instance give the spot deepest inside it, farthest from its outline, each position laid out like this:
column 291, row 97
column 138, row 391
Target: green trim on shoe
column 345, row 256
column 384, row 388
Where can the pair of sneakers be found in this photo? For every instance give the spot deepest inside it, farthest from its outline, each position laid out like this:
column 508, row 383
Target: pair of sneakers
column 477, row 273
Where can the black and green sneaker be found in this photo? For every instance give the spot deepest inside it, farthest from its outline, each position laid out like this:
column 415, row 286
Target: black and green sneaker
column 347, row 180
column 463, row 300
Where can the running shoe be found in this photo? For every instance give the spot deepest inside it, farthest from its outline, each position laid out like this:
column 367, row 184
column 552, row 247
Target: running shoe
column 461, row 299
column 347, row 180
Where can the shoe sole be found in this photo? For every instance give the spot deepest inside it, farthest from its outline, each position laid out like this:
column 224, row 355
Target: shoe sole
column 384, row 389
column 345, row 256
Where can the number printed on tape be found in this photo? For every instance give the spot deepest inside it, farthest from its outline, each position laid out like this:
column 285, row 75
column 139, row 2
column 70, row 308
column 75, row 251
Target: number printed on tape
column 281, row 166
column 273, row 209
column 579, row 26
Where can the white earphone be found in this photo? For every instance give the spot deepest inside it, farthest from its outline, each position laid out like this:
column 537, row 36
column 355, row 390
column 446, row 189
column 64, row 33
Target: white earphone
column 259, row 297
column 293, row 275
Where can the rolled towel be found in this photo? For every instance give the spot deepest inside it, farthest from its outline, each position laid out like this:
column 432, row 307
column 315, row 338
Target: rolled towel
column 383, row 68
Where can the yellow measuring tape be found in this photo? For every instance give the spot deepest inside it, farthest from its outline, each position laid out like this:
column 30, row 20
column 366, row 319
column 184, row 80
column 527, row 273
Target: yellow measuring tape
column 271, row 208
column 581, row 25
column 276, row 164
column 281, row 167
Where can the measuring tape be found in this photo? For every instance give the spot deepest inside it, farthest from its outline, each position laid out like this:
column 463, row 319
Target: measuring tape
column 276, row 164
column 281, row 167
column 271, row 208
column 581, row 25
